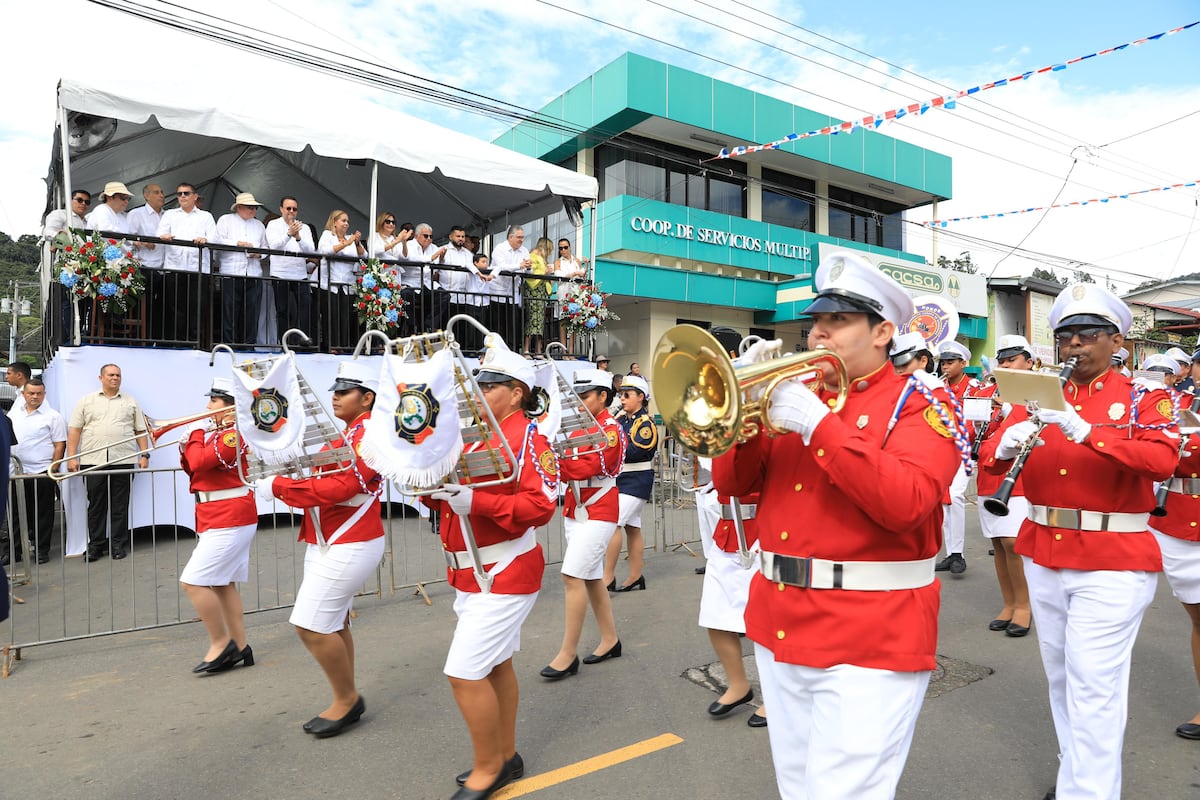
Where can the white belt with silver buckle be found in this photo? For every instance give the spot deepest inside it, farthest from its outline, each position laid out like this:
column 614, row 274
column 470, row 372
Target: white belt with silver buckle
column 749, row 511
column 859, row 576
column 596, row 483
column 222, row 494
column 358, row 500
column 1076, row 519
column 640, row 466
column 489, row 554
column 1184, row 485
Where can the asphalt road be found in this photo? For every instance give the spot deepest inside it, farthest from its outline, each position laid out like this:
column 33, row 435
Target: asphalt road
column 123, row 717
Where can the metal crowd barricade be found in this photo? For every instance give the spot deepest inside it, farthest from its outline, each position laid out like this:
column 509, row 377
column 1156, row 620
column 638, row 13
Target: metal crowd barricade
column 69, row 599
column 678, row 524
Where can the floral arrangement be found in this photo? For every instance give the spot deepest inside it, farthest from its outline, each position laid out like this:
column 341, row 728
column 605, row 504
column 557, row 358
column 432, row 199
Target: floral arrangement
column 584, row 311
column 100, row 268
column 377, row 296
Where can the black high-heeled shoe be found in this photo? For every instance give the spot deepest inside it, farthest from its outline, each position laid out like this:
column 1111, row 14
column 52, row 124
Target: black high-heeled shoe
column 516, row 766
column 503, row 779
column 612, row 585
column 640, row 583
column 208, row 666
column 596, row 658
column 323, row 728
column 245, row 657
column 550, row 673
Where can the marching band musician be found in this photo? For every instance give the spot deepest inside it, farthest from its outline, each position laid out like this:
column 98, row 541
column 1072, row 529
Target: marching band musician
column 910, row 352
column 503, row 518
column 344, row 532
column 1183, row 373
column 589, row 521
column 839, row 554
column 1012, row 352
column 1089, row 558
column 723, row 604
column 635, row 483
column 1177, row 533
column 1119, row 359
column 953, row 358
column 226, row 520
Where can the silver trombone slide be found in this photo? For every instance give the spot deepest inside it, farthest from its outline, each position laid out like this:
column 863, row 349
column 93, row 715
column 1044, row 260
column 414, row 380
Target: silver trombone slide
column 365, row 339
column 745, row 557
column 155, row 429
column 576, row 419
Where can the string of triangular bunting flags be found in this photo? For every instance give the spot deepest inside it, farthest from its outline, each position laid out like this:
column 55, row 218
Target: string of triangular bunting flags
column 948, row 102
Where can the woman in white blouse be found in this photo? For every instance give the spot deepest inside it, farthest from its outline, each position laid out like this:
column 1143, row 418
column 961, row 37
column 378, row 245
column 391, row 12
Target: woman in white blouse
column 338, row 279
column 570, row 268
column 387, row 240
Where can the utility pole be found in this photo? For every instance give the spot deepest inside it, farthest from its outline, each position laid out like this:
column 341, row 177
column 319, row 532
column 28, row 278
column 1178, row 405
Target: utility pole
column 18, row 308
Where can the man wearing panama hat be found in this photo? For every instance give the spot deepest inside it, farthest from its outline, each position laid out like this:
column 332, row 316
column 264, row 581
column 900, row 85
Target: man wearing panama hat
column 241, row 287
column 111, row 215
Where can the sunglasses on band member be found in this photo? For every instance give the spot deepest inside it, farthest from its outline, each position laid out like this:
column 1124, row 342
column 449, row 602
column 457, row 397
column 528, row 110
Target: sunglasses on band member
column 1086, row 335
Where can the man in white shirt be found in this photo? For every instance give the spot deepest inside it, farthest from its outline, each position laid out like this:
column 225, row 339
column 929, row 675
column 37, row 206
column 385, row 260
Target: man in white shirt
column 56, row 222
column 182, row 290
column 456, row 283
column 110, row 214
column 144, row 221
column 41, row 434
column 508, row 256
column 241, row 290
column 289, row 274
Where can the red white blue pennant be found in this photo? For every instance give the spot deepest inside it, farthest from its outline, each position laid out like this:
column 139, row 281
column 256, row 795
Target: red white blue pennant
column 949, row 101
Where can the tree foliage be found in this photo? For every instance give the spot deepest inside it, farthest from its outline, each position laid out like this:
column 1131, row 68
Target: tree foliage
column 961, row 264
column 1049, row 274
column 19, row 264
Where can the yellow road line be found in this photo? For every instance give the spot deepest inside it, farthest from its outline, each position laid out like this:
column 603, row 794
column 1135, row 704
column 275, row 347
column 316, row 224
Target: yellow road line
column 588, row 765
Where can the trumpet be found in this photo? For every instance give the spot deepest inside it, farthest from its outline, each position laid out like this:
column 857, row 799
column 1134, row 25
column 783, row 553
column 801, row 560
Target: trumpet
column 998, row 503
column 154, row 431
column 709, row 405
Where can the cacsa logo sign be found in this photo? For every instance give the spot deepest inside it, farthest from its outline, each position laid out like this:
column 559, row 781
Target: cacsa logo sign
column 911, row 278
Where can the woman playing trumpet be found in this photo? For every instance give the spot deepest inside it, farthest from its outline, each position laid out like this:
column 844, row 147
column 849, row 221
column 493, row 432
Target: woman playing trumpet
column 226, row 520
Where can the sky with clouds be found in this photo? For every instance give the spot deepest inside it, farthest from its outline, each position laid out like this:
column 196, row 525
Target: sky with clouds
column 1106, row 126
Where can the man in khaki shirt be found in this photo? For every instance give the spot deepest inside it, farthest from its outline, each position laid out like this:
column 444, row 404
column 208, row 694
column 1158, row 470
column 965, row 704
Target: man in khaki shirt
column 102, row 430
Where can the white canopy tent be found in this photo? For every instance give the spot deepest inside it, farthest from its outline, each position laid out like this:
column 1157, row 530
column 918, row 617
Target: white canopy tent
column 230, row 142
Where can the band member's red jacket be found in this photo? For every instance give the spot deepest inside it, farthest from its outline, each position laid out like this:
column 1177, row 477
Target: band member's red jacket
column 596, row 466
column 1183, row 508
column 506, row 511
column 210, row 459
column 725, row 534
column 337, row 496
column 850, row 496
column 1113, row 470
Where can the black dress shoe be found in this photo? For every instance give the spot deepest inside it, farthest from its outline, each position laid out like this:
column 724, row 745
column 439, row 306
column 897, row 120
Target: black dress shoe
column 323, row 728
column 503, row 779
column 700, row 570
column 550, row 673
column 596, row 658
column 640, row 583
column 612, row 585
column 516, row 766
column 1188, row 730
column 245, row 656
column 999, row 624
column 719, row 709
column 1016, row 631
column 94, row 557
column 1052, row 794
column 117, row 555
column 229, row 652
column 43, row 559
column 756, row 721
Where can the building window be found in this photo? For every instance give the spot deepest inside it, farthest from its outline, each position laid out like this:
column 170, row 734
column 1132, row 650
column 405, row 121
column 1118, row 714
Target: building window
column 788, row 200
column 862, row 218
column 671, row 174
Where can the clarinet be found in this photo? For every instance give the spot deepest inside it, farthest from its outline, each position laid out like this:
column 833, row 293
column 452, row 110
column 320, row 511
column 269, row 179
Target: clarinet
column 1164, row 488
column 979, row 437
column 998, row 503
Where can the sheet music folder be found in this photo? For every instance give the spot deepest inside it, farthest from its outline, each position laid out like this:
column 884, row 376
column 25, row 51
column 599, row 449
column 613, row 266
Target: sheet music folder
column 1023, row 388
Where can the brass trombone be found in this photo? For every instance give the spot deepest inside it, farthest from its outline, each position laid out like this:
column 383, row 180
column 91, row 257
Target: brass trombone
column 154, row 431
column 709, row 405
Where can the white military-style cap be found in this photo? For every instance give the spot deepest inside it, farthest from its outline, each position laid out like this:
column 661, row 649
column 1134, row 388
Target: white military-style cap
column 952, row 349
column 356, row 375
column 906, row 346
column 1178, row 354
column 500, row 364
column 1163, row 362
column 1120, row 357
column 635, row 382
column 1012, row 344
column 221, row 387
column 586, row 379
column 848, row 283
column 1089, row 304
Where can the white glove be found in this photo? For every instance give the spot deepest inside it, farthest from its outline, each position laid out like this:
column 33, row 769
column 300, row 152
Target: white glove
column 761, row 350
column 1005, row 410
column 1013, row 438
column 459, row 497
column 262, row 487
column 931, row 381
column 1149, row 384
column 795, row 408
column 1073, row 425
